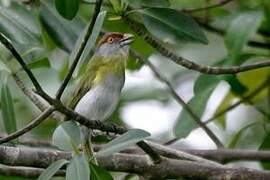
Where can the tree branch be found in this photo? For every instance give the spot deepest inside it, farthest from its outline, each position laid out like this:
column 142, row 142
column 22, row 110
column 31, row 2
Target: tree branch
column 28, row 127
column 80, row 51
column 27, row 172
column 179, row 99
column 179, row 154
column 229, row 155
column 136, row 27
column 204, row 156
column 41, row 105
column 139, row 164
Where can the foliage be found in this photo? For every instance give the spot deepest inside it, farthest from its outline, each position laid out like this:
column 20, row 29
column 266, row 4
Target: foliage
column 48, row 34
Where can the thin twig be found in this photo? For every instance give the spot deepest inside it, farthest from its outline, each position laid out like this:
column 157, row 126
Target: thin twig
column 42, row 105
column 32, row 96
column 244, row 99
column 179, row 154
column 221, row 3
column 179, row 99
column 187, row 63
column 28, row 127
column 80, row 51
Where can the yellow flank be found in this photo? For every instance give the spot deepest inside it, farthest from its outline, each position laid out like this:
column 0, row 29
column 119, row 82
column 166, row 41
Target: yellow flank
column 114, row 65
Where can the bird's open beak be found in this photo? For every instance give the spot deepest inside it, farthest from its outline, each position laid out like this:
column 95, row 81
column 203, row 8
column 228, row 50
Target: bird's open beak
column 127, row 39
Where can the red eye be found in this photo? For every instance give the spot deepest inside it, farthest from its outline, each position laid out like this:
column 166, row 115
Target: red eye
column 110, row 40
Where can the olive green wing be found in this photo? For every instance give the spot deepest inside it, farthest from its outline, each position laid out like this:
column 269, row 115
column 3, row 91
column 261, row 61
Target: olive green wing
column 83, row 87
column 86, row 81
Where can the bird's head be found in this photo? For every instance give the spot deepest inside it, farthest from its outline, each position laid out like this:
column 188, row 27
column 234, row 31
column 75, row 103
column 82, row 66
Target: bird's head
column 114, row 44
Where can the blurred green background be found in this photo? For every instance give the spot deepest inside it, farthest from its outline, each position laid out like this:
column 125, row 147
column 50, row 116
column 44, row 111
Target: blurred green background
column 46, row 40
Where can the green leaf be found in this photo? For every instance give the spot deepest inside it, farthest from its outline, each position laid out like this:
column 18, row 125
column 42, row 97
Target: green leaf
column 265, row 146
column 86, row 55
column 98, row 173
column 63, row 32
column 78, row 168
column 241, row 29
column 186, row 123
column 122, row 142
column 236, row 86
column 19, row 24
column 266, row 7
column 67, row 8
column 67, row 136
column 155, row 3
column 48, row 173
column 40, row 63
column 172, row 26
column 116, row 5
column 133, row 64
column 203, row 88
column 221, row 120
column 101, row 138
column 144, row 93
column 3, row 67
column 8, row 110
column 149, row 3
column 252, row 137
column 237, row 137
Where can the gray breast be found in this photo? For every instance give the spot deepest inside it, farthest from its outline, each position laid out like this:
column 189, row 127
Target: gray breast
column 100, row 102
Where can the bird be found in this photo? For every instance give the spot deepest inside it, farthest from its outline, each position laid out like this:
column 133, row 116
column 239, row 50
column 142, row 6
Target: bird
column 98, row 92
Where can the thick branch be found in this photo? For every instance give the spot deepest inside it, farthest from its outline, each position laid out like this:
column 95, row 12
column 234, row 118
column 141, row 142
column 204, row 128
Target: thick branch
column 187, row 63
column 218, row 155
column 139, row 164
column 229, row 155
column 179, row 99
column 27, row 172
column 202, row 155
